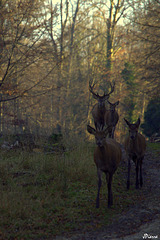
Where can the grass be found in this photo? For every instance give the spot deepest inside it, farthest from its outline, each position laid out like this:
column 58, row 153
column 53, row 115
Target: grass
column 154, row 147
column 44, row 195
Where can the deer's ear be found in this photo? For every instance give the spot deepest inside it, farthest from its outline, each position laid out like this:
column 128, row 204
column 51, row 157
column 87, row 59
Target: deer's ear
column 91, row 130
column 127, row 122
column 138, row 122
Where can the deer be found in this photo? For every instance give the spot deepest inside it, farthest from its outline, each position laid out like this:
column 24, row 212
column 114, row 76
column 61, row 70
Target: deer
column 111, row 118
column 135, row 146
column 107, row 156
column 99, row 109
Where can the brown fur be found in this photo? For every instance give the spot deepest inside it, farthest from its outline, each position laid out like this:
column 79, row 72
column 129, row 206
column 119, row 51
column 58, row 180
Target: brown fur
column 135, row 146
column 107, row 156
column 111, row 118
column 99, row 109
column 98, row 113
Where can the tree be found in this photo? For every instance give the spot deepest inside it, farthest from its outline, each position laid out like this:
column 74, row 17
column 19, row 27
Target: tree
column 145, row 28
column 62, row 41
column 111, row 12
column 129, row 77
column 19, row 26
column 21, row 29
column 151, row 123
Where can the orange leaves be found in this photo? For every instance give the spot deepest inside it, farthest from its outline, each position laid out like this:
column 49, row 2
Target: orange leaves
column 9, row 89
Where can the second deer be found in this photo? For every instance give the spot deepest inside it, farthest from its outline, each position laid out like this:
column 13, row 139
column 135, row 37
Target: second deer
column 111, row 118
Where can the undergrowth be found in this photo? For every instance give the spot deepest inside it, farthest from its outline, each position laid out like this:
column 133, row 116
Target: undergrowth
column 155, row 147
column 45, row 195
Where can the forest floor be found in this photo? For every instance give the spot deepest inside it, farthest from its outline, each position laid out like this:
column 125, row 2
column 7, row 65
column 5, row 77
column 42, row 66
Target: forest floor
column 138, row 221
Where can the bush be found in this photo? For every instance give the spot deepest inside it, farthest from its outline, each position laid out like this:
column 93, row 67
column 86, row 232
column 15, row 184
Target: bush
column 151, row 123
column 55, row 138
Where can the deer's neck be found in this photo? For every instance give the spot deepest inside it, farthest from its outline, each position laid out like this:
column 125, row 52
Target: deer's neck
column 104, row 148
column 112, row 116
column 101, row 149
column 102, row 108
column 133, row 144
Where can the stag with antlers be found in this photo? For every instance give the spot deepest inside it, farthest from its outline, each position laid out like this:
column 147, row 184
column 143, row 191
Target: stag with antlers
column 99, row 109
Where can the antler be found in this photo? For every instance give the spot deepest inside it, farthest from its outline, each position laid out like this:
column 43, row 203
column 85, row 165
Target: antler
column 112, row 87
column 105, row 95
column 95, row 95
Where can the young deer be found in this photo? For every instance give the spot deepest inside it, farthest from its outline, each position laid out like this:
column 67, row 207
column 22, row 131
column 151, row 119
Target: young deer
column 107, row 156
column 135, row 146
column 111, row 118
column 99, row 109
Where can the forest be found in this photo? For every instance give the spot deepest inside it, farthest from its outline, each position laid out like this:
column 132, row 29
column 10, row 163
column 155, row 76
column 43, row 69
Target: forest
column 56, row 57
column 51, row 50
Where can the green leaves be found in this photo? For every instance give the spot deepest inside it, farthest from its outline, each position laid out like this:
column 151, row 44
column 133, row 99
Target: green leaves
column 151, row 123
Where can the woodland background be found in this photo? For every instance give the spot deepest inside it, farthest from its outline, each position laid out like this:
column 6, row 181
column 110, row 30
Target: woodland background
column 51, row 50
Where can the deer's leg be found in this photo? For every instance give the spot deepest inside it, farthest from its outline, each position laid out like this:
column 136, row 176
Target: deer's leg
column 99, row 173
column 110, row 196
column 141, row 178
column 113, row 129
column 129, row 169
column 110, row 133
column 137, row 171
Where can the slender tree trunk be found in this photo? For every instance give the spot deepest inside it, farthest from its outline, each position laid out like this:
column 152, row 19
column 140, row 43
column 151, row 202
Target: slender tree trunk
column 1, row 114
column 112, row 20
column 109, row 41
column 71, row 47
column 143, row 106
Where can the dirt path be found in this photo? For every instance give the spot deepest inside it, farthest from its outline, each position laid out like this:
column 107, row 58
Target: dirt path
column 141, row 221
